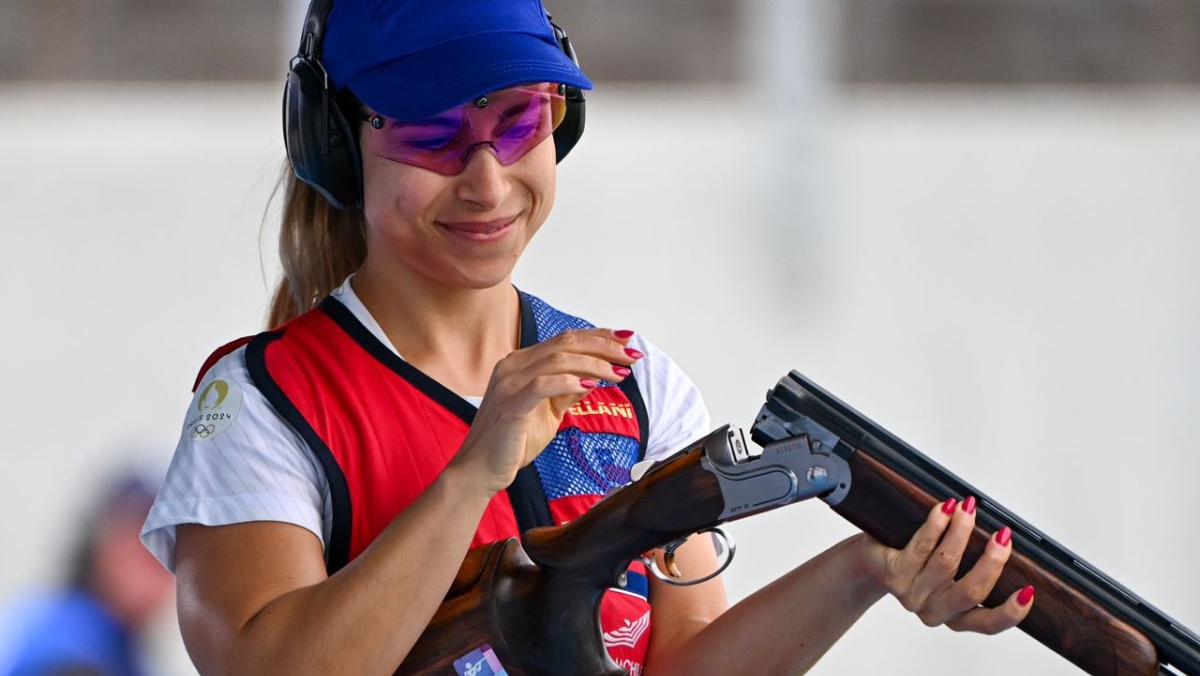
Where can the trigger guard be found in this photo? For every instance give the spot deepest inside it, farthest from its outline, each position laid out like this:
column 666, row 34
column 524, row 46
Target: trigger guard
column 730, row 548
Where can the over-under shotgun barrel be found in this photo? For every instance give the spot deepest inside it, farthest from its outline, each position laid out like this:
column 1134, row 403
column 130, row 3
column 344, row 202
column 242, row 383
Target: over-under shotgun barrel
column 891, row 509
column 1078, row 612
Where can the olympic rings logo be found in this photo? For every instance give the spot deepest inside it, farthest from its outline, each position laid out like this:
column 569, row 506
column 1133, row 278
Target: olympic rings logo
column 202, row 431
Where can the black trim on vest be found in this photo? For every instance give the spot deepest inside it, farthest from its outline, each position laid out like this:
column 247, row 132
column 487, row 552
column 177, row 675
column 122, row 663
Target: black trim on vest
column 526, row 494
column 343, row 317
column 528, row 497
column 529, row 328
column 630, row 387
column 337, row 554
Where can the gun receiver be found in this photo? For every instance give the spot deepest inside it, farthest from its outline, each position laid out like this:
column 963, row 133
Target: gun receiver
column 1086, row 617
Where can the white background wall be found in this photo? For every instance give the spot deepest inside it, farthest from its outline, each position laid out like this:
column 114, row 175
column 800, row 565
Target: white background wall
column 1004, row 278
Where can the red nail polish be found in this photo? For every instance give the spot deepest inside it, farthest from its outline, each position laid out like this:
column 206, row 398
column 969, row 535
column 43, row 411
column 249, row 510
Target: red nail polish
column 969, row 504
column 1003, row 537
column 623, row 334
column 634, row 353
column 621, row 371
column 948, row 506
column 587, row 382
column 1025, row 596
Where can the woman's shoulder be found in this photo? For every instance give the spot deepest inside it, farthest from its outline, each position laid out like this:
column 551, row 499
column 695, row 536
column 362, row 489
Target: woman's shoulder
column 676, row 409
column 231, row 357
column 657, row 372
column 222, row 355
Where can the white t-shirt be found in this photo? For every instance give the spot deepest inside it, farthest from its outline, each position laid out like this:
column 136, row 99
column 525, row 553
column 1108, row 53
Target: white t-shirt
column 238, row 460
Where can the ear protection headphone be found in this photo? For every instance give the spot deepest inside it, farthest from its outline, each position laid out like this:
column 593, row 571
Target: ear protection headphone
column 322, row 146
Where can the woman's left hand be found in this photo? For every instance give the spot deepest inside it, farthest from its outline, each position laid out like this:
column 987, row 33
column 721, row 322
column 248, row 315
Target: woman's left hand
column 922, row 575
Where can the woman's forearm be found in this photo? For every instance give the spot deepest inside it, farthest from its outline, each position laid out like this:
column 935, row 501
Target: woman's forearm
column 363, row 620
column 786, row 626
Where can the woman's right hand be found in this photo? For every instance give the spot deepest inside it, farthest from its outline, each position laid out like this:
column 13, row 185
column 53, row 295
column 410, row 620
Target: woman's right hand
column 529, row 392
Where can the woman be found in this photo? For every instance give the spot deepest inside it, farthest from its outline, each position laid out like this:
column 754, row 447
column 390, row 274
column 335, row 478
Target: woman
column 333, row 472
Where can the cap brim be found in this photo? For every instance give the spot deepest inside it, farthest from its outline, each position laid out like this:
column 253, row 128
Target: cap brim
column 437, row 79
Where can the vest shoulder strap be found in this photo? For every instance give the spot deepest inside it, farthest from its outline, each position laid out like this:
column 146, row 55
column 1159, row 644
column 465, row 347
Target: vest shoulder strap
column 216, row 356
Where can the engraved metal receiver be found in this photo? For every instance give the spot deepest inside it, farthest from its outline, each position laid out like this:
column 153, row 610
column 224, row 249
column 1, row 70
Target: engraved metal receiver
column 800, row 465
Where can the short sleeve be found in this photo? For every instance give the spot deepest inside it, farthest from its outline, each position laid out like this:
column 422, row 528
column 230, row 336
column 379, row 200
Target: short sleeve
column 676, row 411
column 237, row 461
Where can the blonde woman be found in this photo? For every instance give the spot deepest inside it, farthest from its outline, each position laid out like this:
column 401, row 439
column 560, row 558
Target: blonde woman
column 409, row 402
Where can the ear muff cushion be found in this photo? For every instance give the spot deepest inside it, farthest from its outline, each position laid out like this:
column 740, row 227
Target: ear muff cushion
column 321, row 145
column 571, row 128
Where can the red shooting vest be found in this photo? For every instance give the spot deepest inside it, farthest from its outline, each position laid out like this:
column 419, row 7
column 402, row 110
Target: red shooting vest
column 383, row 431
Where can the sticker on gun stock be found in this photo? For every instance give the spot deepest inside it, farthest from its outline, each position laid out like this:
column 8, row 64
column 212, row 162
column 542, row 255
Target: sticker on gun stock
column 481, row 662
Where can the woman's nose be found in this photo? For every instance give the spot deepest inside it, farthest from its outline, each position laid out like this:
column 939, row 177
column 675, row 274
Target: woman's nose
column 483, row 181
column 470, row 151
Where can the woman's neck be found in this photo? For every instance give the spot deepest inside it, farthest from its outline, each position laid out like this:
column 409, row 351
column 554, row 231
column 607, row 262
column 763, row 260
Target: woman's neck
column 454, row 335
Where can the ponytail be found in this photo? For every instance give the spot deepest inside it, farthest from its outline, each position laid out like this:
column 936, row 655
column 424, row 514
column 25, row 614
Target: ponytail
column 319, row 246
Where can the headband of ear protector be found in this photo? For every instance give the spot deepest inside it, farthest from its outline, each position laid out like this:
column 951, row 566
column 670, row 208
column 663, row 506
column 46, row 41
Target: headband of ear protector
column 322, row 146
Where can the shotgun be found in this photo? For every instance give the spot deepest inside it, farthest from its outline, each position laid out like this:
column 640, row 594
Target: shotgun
column 531, row 608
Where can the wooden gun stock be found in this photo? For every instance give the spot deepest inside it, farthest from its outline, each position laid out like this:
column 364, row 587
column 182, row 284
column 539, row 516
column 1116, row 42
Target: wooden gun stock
column 538, row 606
column 890, row 508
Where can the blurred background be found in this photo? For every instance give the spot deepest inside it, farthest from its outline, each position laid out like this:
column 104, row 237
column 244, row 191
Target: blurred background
column 973, row 220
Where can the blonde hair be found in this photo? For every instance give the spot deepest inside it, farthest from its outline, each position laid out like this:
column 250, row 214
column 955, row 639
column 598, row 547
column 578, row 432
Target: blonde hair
column 319, row 246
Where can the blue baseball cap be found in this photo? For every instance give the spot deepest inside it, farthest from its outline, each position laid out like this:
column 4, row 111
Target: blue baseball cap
column 412, row 59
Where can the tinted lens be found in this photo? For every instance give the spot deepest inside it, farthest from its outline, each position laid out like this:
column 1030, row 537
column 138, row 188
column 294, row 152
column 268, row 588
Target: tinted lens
column 511, row 121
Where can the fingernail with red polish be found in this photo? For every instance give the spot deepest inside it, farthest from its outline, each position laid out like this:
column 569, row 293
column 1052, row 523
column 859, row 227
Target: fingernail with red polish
column 621, row 371
column 587, row 382
column 623, row 334
column 634, row 353
column 1003, row 536
column 948, row 506
column 1025, row 596
column 969, row 504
